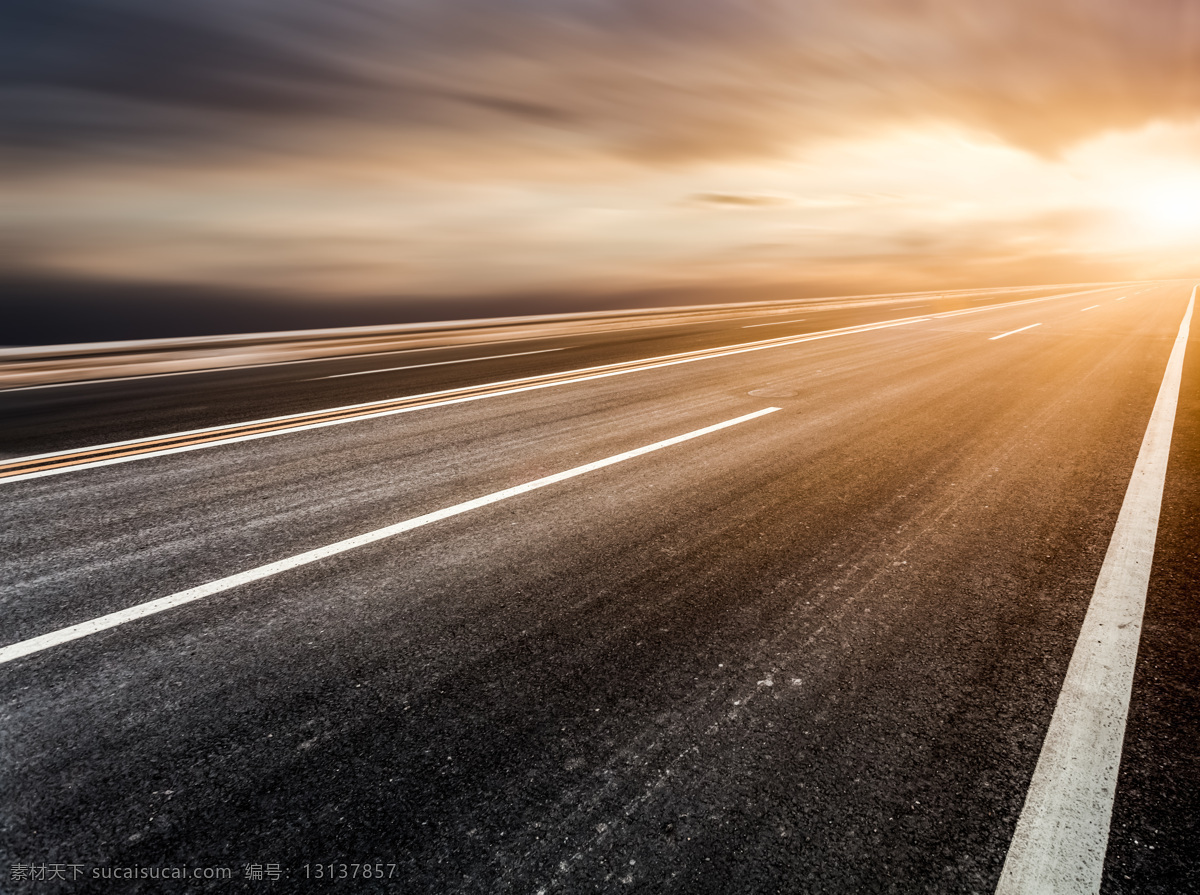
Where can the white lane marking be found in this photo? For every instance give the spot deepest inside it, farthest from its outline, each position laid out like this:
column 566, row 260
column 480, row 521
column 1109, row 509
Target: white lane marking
column 434, row 399
column 440, row 363
column 946, row 314
column 337, row 357
column 1025, row 301
column 774, row 323
column 1122, row 298
column 648, row 364
column 329, row 358
column 278, row 363
column 1092, row 307
column 1062, row 833
column 1011, row 332
column 83, row 629
column 311, row 360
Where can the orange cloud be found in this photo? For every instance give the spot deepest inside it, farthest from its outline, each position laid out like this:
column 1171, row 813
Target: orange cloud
column 449, row 147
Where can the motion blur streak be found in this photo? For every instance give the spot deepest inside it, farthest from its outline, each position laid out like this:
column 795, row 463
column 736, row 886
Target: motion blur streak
column 300, row 151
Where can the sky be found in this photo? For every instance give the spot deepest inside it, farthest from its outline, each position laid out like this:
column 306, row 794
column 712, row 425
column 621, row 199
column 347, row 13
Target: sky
column 325, row 150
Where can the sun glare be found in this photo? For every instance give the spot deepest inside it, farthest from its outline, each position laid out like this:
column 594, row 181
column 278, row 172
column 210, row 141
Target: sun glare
column 1170, row 207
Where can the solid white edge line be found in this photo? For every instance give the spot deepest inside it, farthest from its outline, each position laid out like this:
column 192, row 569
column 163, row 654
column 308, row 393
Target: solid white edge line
column 690, row 355
column 275, row 363
column 669, row 360
column 337, row 357
column 83, row 629
column 1025, row 301
column 1061, row 836
column 774, row 323
column 784, row 340
column 1013, row 332
column 439, row 363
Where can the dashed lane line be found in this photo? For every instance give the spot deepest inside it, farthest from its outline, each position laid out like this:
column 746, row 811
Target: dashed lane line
column 439, row 363
column 1024, row 301
column 56, row 462
column 1013, row 332
column 133, row 613
column 40, row 465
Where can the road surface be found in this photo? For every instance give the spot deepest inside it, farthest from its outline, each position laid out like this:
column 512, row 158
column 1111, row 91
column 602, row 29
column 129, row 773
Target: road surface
column 774, row 603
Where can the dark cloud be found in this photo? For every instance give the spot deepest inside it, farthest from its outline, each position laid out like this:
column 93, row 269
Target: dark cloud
column 163, row 55
column 738, row 200
column 654, row 80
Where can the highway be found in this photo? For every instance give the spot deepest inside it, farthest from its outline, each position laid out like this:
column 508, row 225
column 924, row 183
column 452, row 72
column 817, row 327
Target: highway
column 772, row 600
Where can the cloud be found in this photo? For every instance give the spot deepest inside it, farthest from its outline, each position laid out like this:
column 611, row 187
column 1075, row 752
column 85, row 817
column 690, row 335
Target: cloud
column 470, row 147
column 738, row 200
column 657, row 82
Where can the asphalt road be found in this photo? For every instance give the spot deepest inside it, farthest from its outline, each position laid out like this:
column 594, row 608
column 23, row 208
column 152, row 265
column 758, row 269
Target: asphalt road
column 816, row 650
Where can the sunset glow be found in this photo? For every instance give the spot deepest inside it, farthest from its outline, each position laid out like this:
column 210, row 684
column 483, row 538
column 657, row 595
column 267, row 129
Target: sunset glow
column 1173, row 208
column 448, row 150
